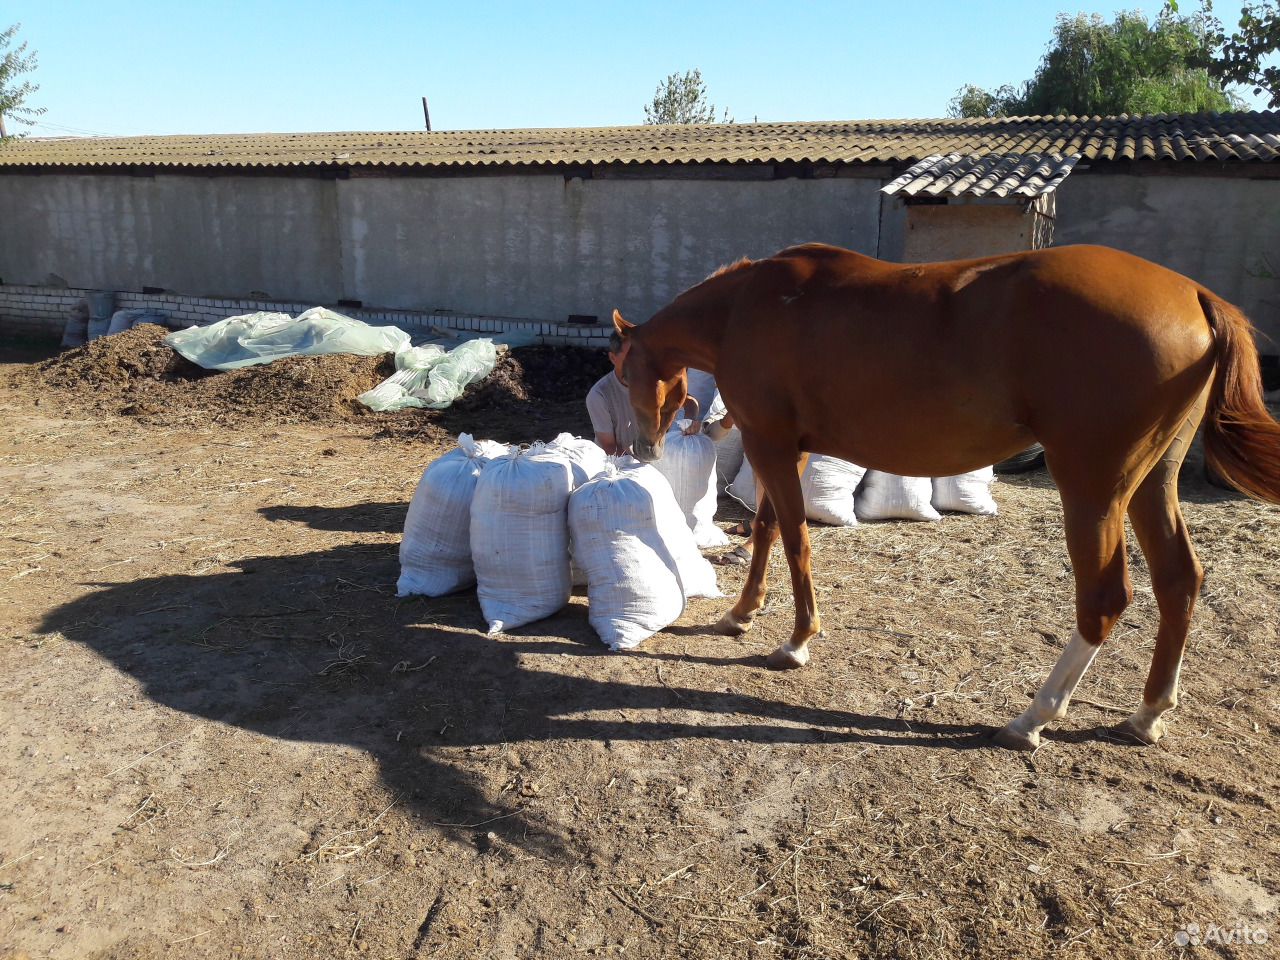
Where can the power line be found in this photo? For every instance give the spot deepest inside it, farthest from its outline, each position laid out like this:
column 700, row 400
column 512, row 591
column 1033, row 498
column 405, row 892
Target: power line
column 65, row 129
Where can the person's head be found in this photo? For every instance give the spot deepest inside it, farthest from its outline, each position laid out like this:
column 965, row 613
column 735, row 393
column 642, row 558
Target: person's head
column 616, row 353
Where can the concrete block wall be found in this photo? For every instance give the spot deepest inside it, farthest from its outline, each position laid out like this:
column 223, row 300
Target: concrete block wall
column 37, row 312
column 42, row 312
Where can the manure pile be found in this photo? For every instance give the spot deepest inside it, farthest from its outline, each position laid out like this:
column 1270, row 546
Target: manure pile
column 532, row 393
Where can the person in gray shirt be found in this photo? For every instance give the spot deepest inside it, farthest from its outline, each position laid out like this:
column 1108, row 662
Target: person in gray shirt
column 609, row 405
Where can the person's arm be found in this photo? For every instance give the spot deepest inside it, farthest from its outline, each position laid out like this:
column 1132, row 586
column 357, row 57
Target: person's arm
column 602, row 423
column 719, row 420
column 693, row 413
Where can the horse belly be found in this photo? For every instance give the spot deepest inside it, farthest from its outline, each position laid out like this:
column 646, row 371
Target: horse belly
column 924, row 402
column 917, row 436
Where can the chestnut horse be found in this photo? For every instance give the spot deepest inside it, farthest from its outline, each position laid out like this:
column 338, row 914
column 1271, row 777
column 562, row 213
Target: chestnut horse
column 935, row 369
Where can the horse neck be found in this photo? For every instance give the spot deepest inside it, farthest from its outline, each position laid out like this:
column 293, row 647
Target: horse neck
column 688, row 332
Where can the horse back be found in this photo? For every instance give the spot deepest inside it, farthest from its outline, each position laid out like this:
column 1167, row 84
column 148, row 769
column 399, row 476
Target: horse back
column 988, row 352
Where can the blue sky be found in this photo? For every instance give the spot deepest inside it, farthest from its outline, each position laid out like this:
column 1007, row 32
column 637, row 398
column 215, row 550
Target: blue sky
column 146, row 67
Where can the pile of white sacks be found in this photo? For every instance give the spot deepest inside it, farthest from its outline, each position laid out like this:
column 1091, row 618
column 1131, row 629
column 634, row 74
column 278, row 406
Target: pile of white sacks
column 842, row 493
column 523, row 525
column 526, row 525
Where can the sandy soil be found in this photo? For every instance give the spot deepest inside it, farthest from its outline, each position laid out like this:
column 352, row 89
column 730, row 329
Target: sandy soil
column 226, row 737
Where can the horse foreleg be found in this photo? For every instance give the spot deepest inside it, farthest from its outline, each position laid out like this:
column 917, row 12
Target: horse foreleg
column 764, row 531
column 781, row 475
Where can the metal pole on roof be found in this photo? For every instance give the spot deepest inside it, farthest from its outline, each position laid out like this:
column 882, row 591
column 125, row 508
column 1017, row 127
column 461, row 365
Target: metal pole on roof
column 426, row 114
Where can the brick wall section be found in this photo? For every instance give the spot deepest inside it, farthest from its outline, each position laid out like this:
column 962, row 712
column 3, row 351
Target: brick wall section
column 42, row 312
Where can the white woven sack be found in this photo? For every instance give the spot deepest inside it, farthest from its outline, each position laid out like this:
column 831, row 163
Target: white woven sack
column 587, row 459
column 520, row 537
column 828, row 485
column 729, row 458
column 435, row 551
column 621, row 524
column 743, row 487
column 585, row 456
column 689, row 464
column 887, row 496
column 728, row 443
column 966, row 492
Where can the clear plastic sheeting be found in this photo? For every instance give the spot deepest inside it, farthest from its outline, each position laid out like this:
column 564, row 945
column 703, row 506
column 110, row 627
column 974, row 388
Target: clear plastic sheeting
column 413, row 372
column 262, row 337
column 466, row 363
column 429, row 377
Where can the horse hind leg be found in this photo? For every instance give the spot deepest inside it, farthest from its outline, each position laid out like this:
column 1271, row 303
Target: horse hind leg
column 1176, row 578
column 1095, row 541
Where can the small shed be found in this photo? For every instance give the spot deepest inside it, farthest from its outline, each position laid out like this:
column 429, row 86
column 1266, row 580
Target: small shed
column 956, row 206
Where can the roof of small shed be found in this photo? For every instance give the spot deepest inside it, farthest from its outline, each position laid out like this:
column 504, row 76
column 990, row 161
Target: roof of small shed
column 1228, row 137
column 989, row 175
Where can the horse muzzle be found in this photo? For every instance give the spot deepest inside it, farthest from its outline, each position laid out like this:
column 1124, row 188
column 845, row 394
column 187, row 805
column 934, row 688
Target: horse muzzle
column 647, row 452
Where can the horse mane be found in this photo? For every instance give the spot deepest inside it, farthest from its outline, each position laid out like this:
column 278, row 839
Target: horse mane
column 701, row 287
column 730, row 267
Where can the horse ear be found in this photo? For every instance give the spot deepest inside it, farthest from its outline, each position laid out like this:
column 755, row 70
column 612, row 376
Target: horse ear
column 621, row 325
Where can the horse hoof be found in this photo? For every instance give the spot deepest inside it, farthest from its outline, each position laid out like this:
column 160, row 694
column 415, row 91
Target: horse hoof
column 787, row 657
column 1013, row 739
column 731, row 626
column 1146, row 730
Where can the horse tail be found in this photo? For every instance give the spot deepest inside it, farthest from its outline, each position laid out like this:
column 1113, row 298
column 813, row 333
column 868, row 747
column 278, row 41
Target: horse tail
column 1241, row 439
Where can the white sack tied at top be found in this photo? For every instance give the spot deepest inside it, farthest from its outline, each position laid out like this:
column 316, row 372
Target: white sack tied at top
column 966, row 493
column 587, row 459
column 627, row 530
column 827, row 484
column 887, row 496
column 435, row 551
column 689, row 464
column 520, row 537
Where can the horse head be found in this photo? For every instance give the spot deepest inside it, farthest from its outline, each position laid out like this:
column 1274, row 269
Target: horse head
column 657, row 391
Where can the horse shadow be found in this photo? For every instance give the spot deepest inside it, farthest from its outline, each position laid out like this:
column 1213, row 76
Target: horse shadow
column 359, row 518
column 316, row 648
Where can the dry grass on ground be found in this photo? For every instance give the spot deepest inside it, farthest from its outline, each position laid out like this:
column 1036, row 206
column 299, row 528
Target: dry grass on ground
column 228, row 738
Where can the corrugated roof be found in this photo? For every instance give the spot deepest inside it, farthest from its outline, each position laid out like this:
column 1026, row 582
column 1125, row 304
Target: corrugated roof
column 990, row 175
column 1250, row 137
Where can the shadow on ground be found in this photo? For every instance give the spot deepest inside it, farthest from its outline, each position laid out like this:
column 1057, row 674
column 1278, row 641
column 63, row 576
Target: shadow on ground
column 317, row 648
column 358, row 518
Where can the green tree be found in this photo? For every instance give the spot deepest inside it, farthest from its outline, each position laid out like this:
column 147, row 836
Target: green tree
column 971, row 101
column 13, row 95
column 1240, row 56
column 682, row 99
column 1129, row 65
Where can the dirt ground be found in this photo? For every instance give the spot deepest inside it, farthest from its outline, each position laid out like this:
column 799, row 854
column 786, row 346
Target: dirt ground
column 226, row 737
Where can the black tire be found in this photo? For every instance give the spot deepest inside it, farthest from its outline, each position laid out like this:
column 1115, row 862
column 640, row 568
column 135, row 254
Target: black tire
column 1029, row 459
